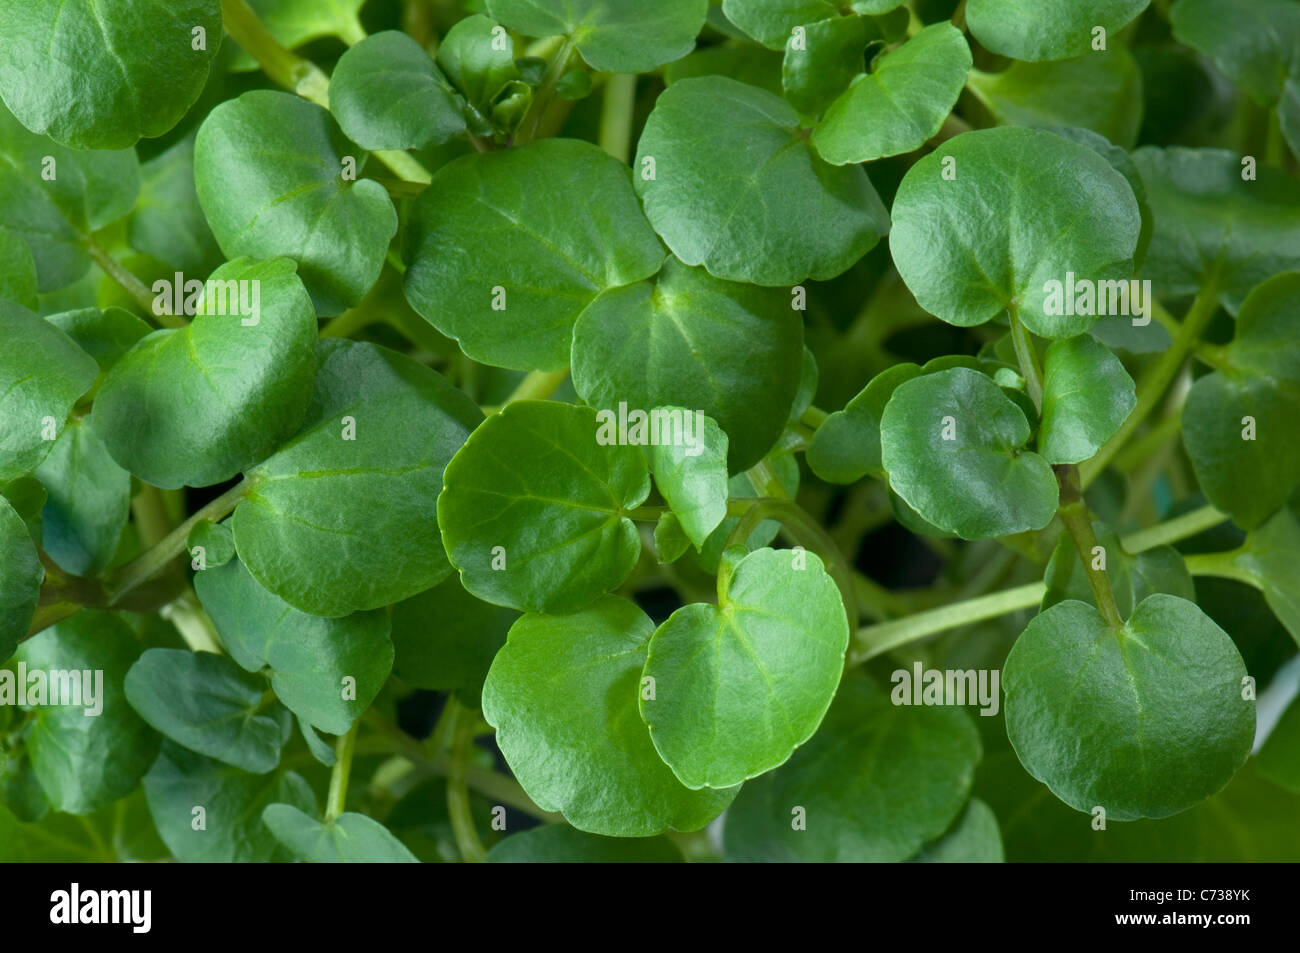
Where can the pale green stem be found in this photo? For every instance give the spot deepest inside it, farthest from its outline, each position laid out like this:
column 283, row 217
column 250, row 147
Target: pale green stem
column 130, row 284
column 1222, row 565
column 538, row 385
column 458, row 806
column 336, row 801
column 1027, row 356
column 1171, row 531
column 616, row 115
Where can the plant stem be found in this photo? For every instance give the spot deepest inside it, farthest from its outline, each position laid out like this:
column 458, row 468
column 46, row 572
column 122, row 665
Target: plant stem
column 1222, row 565
column 813, row 417
column 1027, row 357
column 538, row 385
column 1171, row 531
column 130, row 284
column 194, row 625
column 342, row 771
column 458, row 807
column 1073, row 512
column 616, row 115
column 349, row 322
column 1156, row 380
column 545, row 92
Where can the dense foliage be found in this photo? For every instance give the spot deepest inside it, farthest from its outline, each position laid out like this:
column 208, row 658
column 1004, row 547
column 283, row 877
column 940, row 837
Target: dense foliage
column 605, row 430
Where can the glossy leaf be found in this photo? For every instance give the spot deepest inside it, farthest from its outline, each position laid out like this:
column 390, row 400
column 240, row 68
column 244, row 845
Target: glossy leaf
column 534, row 511
column 1132, row 577
column 106, row 335
column 300, row 205
column 1087, row 396
column 89, row 498
column 216, row 541
column 690, row 340
column 473, row 58
column 692, row 476
column 740, row 685
column 760, row 206
column 1047, row 29
column 167, row 222
column 952, row 445
column 378, row 436
column 1145, row 720
column 562, row 695
column 348, row 838
column 21, row 575
column 826, row 58
column 502, row 259
column 772, row 21
column 561, row 844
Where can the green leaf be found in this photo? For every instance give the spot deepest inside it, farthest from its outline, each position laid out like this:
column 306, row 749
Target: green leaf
column 208, row 704
column 690, row 340
column 20, row 579
column 472, row 56
column 826, row 59
column 1269, row 559
column 738, row 60
column 445, row 639
column 327, row 671
column 901, row 103
column 299, row 205
column 952, row 445
column 105, row 335
column 1132, row 577
column 1047, row 29
column 1144, row 720
column 1098, row 91
column 379, row 434
column 297, row 22
column 54, row 197
column 181, row 782
column 534, row 510
column 846, row 447
column 561, row 844
column 975, row 839
column 1252, row 41
column 616, row 36
column 100, row 74
column 504, row 260
column 89, row 498
column 167, row 222
column 216, row 541
column 740, row 685
column 759, row 205
column 1239, row 423
column 1002, row 225
column 386, row 93
column 562, row 695
column 1279, row 759
column 17, row 271
column 875, row 783
column 772, row 21
column 42, row 373
column 692, row 475
column 1087, row 396
column 198, row 405
column 347, row 839
column 89, row 754
column 671, row 541
column 1213, row 227
column 1288, row 114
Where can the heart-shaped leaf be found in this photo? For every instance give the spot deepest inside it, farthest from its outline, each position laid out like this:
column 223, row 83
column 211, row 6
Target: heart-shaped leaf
column 901, row 103
column 740, row 685
column 690, row 340
column 326, row 671
column 380, row 431
column 1144, row 720
column 20, row 579
column 1132, row 577
column 534, row 510
column 562, row 695
column 760, row 206
column 562, row 844
column 952, row 444
column 348, row 838
column 772, row 21
column 692, row 476
column 208, row 704
column 1087, row 396
column 89, row 498
column 386, row 93
column 100, row 74
column 875, row 783
column 987, row 222
column 1048, row 29
column 503, row 260
column 306, row 203
column 1239, row 423
column 198, row 405
column 616, row 36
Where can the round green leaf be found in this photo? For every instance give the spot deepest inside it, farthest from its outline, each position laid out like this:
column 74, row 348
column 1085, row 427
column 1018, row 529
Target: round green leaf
column 167, row 222
column 100, row 74
column 196, row 406
column 826, row 58
column 692, row 476
column 20, row 579
column 1098, row 91
column 740, row 685
column 901, row 103
column 772, row 21
column 690, row 340
column 616, row 36
column 42, row 373
column 89, row 498
column 380, row 431
column 952, row 445
column 562, row 844
column 759, row 205
column 1131, row 577
column 1144, row 720
column 1047, row 29
column 1003, row 222
column 473, row 57
column 208, row 704
column 326, row 671
column 875, row 783
column 534, row 510
column 269, row 168
column 1087, row 396
column 1252, row 41
column 507, row 248
column 562, row 695
column 386, row 93
column 216, row 541
column 975, row 839
column 349, row 838
column 84, row 760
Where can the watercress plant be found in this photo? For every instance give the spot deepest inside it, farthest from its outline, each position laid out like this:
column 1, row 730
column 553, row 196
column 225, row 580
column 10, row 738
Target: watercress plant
column 592, row 430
